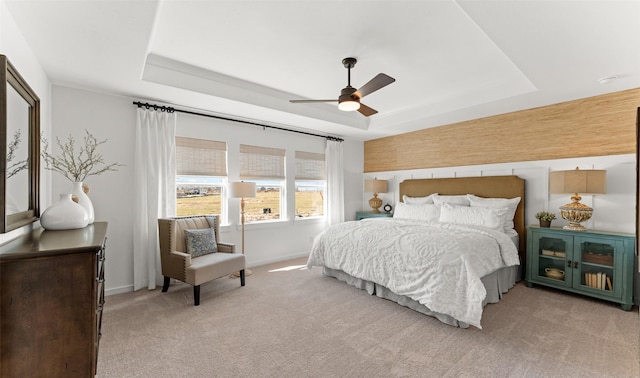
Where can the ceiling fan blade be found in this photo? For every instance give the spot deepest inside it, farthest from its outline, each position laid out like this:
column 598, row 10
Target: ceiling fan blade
column 303, row 101
column 381, row 80
column 366, row 111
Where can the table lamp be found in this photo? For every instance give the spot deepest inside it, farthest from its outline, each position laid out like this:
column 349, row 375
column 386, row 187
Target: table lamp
column 375, row 186
column 577, row 181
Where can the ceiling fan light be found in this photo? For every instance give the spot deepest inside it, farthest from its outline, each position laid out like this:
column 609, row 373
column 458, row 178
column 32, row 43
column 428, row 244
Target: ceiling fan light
column 349, row 106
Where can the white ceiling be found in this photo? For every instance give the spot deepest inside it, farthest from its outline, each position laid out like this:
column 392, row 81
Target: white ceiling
column 452, row 60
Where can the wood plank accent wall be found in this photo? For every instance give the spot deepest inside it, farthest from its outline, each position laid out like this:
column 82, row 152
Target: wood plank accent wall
column 594, row 126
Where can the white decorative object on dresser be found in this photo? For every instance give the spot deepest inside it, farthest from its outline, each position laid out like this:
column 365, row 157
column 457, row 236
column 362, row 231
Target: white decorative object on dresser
column 64, row 214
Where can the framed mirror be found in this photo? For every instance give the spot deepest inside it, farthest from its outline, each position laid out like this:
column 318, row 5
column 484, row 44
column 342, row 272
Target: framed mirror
column 20, row 146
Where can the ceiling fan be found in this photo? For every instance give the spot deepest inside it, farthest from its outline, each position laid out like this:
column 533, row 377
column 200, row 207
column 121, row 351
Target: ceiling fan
column 349, row 99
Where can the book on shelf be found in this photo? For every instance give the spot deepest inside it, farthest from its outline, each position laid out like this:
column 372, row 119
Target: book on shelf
column 599, row 280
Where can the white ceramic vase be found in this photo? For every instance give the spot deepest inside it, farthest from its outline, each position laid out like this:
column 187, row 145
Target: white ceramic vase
column 64, row 215
column 83, row 200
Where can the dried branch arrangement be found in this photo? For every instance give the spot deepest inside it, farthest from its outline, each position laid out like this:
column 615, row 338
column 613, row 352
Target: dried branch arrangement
column 77, row 165
column 13, row 168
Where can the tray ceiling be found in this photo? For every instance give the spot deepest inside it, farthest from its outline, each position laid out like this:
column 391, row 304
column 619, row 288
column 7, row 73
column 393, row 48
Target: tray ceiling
column 452, row 60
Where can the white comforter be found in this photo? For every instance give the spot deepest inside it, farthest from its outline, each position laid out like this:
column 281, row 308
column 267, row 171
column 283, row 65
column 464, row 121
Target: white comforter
column 436, row 264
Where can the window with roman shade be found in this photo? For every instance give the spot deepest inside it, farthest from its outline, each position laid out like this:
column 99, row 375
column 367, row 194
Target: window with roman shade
column 310, row 166
column 266, row 167
column 200, row 157
column 261, row 163
column 201, row 170
column 310, row 184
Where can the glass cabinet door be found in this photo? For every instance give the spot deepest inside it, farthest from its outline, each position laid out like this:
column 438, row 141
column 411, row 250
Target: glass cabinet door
column 594, row 262
column 599, row 264
column 552, row 262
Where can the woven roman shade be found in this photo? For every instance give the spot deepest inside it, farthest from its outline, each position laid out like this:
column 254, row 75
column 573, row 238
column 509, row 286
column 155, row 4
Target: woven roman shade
column 199, row 157
column 310, row 166
column 261, row 163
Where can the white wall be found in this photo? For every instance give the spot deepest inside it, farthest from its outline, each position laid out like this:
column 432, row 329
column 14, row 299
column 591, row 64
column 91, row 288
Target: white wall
column 67, row 111
column 613, row 211
column 113, row 118
column 16, row 49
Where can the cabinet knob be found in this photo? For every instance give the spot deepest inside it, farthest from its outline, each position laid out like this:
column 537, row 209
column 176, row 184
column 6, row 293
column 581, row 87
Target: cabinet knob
column 568, row 263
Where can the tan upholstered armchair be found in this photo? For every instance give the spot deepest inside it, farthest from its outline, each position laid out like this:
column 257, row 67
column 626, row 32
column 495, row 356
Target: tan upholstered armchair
column 177, row 263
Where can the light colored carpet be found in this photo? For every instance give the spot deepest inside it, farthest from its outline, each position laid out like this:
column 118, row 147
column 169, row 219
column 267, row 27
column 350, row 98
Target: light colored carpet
column 291, row 322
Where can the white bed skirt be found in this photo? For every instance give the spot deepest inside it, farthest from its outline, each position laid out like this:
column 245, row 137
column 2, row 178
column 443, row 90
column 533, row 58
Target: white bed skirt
column 496, row 284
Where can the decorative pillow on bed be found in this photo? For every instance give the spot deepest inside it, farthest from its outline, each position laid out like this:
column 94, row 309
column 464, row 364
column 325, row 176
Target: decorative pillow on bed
column 425, row 212
column 201, row 241
column 460, row 200
column 418, row 200
column 475, row 216
column 511, row 204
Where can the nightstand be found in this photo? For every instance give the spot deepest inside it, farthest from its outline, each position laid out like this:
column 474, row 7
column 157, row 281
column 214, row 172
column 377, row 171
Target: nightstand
column 594, row 263
column 368, row 214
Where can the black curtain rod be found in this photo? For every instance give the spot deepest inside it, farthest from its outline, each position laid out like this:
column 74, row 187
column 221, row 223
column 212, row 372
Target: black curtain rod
column 169, row 109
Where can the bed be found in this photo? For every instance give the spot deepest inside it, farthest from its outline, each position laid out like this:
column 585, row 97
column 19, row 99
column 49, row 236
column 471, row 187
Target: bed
column 448, row 265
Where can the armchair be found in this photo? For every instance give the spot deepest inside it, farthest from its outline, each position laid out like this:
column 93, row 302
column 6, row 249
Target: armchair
column 177, row 263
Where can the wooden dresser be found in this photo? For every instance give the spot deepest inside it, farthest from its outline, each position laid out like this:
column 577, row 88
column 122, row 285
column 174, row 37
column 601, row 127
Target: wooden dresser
column 51, row 300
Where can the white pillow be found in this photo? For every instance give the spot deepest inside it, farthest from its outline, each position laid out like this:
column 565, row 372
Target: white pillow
column 475, row 216
column 418, row 200
column 425, row 212
column 511, row 204
column 460, row 200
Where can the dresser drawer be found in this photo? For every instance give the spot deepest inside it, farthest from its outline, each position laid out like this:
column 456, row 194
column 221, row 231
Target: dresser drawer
column 100, row 264
column 51, row 300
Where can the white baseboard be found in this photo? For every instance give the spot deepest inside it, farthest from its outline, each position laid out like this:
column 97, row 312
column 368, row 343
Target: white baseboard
column 278, row 259
column 118, row 290
column 129, row 288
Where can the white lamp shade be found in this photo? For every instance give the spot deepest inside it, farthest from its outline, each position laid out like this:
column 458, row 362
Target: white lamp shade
column 242, row 189
column 375, row 186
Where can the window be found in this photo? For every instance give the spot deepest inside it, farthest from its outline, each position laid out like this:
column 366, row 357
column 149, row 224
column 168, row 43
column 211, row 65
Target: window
column 265, row 167
column 201, row 170
column 310, row 184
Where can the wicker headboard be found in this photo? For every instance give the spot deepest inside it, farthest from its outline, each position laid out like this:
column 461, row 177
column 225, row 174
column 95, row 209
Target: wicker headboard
column 485, row 186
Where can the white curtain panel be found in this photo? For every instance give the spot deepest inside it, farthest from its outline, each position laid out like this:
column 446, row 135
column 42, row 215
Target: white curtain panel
column 155, row 180
column 335, row 182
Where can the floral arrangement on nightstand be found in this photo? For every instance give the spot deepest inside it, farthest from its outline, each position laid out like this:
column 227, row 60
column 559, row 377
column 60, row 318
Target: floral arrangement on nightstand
column 545, row 218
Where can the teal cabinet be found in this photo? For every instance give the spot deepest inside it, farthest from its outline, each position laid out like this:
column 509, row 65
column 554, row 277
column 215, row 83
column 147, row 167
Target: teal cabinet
column 594, row 263
column 367, row 214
